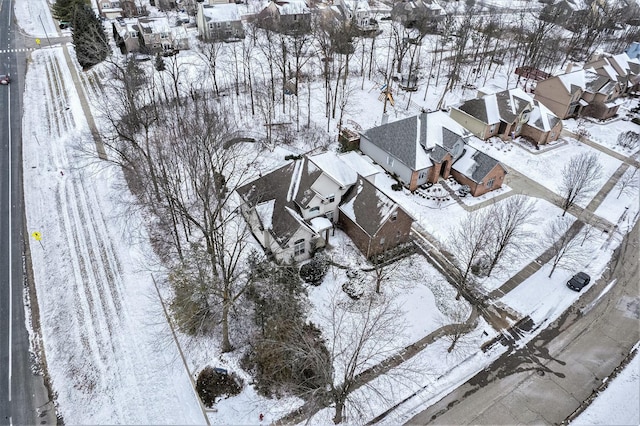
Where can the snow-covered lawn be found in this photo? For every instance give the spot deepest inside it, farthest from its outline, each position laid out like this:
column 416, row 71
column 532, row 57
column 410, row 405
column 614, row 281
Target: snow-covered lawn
column 613, row 208
column 545, row 167
column 109, row 349
column 544, row 299
column 606, row 134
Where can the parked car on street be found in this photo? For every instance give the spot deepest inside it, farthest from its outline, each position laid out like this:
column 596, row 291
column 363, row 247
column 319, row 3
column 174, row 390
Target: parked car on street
column 5, row 79
column 578, row 281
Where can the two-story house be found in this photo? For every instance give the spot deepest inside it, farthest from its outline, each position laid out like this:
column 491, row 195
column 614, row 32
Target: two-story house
column 126, row 34
column 219, row 21
column 581, row 92
column 291, row 209
column 157, row 36
column 424, row 15
column 622, row 68
column 285, row 16
column 110, row 9
column 358, row 12
column 425, row 148
column 508, row 114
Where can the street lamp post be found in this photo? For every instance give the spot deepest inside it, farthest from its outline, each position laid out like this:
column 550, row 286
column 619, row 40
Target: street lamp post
column 46, row 34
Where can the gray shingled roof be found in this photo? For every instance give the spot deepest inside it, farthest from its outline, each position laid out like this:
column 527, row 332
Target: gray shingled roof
column 476, row 108
column 483, row 165
column 438, row 154
column 397, row 138
column 308, row 176
column 274, row 186
column 367, row 206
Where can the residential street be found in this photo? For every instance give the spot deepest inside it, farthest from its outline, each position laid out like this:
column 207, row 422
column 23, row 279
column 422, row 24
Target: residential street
column 548, row 379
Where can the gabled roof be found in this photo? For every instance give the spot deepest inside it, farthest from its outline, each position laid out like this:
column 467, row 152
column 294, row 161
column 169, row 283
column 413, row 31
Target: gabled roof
column 301, row 190
column 291, row 7
column 542, row 118
column 502, row 106
column 334, row 167
column 272, row 196
column 367, row 206
column 359, row 163
column 475, row 164
column 410, row 139
column 226, row 12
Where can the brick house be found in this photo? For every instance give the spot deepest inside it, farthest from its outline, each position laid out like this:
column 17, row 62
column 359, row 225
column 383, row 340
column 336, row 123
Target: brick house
column 580, row 92
column 373, row 221
column 508, row 114
column 481, row 172
column 424, row 148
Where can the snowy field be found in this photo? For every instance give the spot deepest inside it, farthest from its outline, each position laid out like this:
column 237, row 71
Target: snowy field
column 111, row 356
column 619, row 403
column 109, row 349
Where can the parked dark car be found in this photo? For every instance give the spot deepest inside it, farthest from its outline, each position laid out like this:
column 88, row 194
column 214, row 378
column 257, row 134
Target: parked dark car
column 5, row 79
column 578, row 281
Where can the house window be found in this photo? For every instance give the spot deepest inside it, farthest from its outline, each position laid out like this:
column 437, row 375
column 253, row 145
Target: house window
column 490, row 183
column 394, row 216
column 381, row 241
column 314, row 209
column 298, row 247
column 492, row 129
column 390, row 161
column 331, row 198
column 134, row 34
column 329, row 215
column 422, row 175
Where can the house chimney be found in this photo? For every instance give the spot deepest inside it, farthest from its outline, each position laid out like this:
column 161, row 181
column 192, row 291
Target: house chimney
column 569, row 68
column 385, row 118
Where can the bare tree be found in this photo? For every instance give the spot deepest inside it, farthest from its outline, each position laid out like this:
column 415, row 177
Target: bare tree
column 508, row 235
column 567, row 249
column 580, row 178
column 360, row 333
column 628, row 183
column 455, row 321
column 469, row 242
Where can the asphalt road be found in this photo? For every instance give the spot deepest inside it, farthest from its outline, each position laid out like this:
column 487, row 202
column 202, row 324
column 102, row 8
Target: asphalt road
column 21, row 391
column 548, row 379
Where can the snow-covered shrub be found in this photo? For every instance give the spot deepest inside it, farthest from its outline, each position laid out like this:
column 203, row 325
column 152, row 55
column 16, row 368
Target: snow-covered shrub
column 314, row 271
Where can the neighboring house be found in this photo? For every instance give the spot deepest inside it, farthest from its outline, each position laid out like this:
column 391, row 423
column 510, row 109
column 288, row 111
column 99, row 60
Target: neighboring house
column 358, row 12
column 133, row 8
column 110, row 9
column 481, row 172
column 126, row 33
column 373, row 221
column 164, row 5
column 219, row 22
column 622, row 68
column 581, row 92
column 424, row 15
column 157, row 36
column 285, row 16
column 508, row 114
column 423, row 149
column 568, row 13
column 291, row 209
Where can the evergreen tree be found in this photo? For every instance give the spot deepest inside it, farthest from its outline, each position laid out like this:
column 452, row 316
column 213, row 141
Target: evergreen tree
column 65, row 10
column 160, row 65
column 89, row 37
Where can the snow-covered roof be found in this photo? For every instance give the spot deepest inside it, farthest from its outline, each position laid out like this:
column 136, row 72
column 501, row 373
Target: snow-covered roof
column 367, row 206
column 356, row 5
column 292, row 7
column 502, row 106
column 227, row 12
column 335, row 168
column 320, row 224
column 359, row 163
column 474, row 164
column 542, row 118
column 410, row 139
